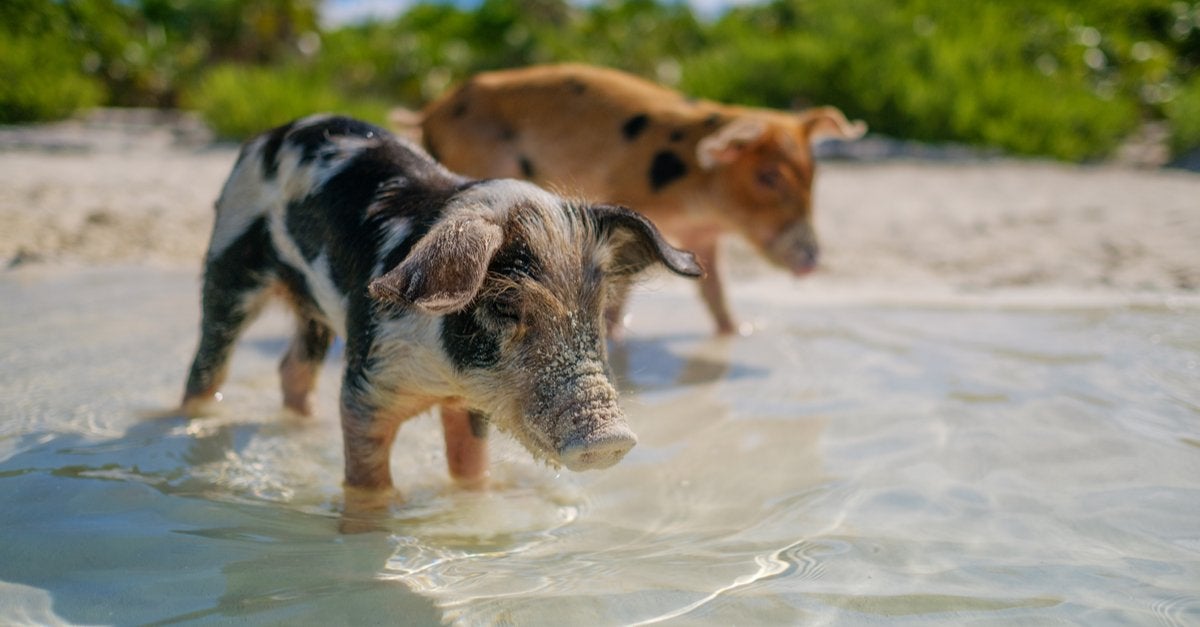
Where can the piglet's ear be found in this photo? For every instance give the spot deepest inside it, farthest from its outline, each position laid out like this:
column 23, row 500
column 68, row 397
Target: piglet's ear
column 637, row 243
column 729, row 142
column 823, row 122
column 445, row 269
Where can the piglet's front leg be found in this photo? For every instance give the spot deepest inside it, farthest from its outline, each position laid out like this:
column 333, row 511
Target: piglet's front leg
column 367, row 434
column 712, row 290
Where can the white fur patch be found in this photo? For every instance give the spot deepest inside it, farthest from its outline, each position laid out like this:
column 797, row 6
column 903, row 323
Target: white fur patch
column 331, row 300
column 247, row 194
column 320, row 282
column 394, row 234
column 299, row 180
column 245, row 198
column 408, row 349
column 500, row 195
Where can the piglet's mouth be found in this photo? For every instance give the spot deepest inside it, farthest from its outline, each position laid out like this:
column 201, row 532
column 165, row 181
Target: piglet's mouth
column 798, row 261
column 793, row 248
column 799, row 265
column 803, row 270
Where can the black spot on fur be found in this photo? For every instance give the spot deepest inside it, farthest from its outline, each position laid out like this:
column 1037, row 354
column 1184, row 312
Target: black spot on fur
column 270, row 151
column 308, row 227
column 576, row 86
column 241, row 270
column 460, row 108
column 313, row 340
column 634, row 126
column 467, row 343
column 242, row 153
column 676, row 135
column 334, row 216
column 507, row 133
column 666, row 167
column 423, row 210
column 479, row 424
column 526, row 167
column 312, row 138
column 297, row 286
column 241, row 266
column 713, row 120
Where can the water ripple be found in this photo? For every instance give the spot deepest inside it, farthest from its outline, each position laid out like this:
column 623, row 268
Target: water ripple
column 793, row 559
column 1178, row 610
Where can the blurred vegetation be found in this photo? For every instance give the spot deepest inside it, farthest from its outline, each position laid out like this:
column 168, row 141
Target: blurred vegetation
column 1183, row 112
column 1063, row 78
column 239, row 101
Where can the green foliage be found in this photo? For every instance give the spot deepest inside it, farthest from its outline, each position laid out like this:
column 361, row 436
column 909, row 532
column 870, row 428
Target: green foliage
column 1064, row 78
column 1002, row 74
column 419, row 55
column 41, row 82
column 1183, row 112
column 239, row 101
column 44, row 78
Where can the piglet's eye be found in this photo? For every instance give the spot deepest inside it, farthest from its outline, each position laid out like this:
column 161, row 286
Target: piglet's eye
column 506, row 308
column 770, row 178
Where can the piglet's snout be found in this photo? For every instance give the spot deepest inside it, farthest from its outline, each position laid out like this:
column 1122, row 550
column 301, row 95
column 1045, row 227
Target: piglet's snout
column 795, row 248
column 579, row 423
column 597, row 449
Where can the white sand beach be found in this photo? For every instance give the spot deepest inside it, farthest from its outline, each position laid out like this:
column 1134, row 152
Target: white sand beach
column 126, row 188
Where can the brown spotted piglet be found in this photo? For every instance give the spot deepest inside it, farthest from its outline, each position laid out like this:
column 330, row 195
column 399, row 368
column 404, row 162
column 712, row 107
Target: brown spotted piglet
column 483, row 297
column 697, row 168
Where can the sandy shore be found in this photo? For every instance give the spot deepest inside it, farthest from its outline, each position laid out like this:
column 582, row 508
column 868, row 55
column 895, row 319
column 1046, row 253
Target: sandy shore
column 108, row 191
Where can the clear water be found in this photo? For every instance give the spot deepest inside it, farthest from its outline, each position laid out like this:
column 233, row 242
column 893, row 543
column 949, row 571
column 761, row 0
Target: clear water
column 940, row 462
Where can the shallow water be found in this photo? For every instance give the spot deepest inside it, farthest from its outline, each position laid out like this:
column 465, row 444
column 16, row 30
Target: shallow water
column 930, row 462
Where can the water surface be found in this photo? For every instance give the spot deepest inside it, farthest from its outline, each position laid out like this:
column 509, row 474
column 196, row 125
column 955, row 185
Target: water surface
column 925, row 462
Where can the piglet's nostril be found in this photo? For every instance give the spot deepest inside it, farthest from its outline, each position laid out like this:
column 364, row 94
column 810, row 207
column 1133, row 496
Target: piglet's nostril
column 597, row 453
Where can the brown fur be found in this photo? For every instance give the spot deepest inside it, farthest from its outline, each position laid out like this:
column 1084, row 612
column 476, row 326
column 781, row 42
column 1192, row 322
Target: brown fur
column 696, row 168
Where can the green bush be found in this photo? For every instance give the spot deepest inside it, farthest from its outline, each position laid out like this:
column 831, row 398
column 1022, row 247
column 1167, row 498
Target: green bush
column 931, row 71
column 1183, row 113
column 239, row 101
column 42, row 82
column 1061, row 78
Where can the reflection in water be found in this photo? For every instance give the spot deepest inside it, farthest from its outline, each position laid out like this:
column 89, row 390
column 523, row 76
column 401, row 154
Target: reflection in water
column 642, row 365
column 705, row 480
column 848, row 464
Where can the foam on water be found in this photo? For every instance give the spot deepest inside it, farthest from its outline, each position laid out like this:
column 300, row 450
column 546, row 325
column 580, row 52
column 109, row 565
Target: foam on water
column 937, row 461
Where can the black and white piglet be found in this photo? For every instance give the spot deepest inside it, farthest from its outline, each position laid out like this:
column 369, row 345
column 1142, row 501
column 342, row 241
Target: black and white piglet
column 485, row 297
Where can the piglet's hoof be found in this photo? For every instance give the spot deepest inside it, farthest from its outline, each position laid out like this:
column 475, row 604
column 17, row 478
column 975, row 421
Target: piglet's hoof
column 364, row 510
column 200, row 405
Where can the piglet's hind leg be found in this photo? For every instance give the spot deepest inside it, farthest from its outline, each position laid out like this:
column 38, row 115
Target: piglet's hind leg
column 301, row 364
column 466, row 445
column 235, row 289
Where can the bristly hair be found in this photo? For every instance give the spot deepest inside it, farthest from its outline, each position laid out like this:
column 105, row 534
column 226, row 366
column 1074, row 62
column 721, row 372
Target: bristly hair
column 564, row 246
